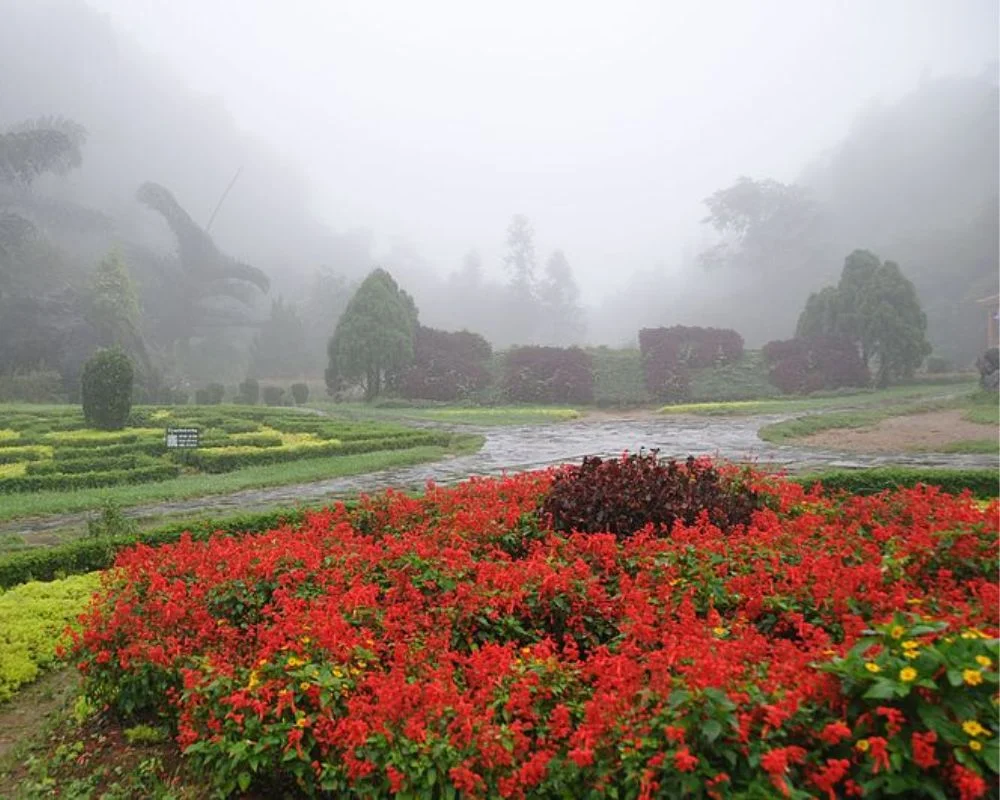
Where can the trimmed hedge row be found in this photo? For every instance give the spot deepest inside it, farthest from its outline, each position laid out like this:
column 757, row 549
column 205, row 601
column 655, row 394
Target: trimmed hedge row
column 214, row 461
column 88, row 555
column 800, row 366
column 549, row 375
column 668, row 354
column 446, row 365
column 129, row 461
column 983, row 483
column 88, row 480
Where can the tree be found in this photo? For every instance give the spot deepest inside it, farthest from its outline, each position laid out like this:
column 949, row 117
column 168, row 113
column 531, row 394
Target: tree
column 113, row 308
column 35, row 147
column 520, row 258
column 279, row 350
column 559, row 300
column 875, row 306
column 106, row 390
column 207, row 290
column 763, row 225
column 373, row 340
column 327, row 295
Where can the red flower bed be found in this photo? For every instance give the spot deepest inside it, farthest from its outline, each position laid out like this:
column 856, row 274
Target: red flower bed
column 453, row 644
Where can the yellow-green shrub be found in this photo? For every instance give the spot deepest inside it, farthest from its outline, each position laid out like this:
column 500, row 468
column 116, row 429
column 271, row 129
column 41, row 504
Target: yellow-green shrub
column 33, row 617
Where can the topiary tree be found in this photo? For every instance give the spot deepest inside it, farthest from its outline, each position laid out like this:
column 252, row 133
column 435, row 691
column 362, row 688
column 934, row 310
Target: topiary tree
column 373, row 341
column 300, row 393
column 106, row 389
column 249, row 392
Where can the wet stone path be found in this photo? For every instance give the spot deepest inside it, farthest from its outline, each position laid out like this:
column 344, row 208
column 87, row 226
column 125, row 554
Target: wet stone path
column 517, row 448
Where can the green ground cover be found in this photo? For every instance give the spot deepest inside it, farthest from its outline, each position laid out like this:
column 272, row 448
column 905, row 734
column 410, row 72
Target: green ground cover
column 51, row 463
column 462, row 415
column 33, row 617
column 839, row 400
column 892, row 406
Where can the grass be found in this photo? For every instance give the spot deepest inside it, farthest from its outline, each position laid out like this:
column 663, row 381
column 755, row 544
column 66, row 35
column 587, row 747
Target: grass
column 975, row 411
column 844, row 400
column 462, row 415
column 188, row 486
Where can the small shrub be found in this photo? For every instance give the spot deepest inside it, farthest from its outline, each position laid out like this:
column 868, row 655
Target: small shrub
column 106, row 389
column 300, row 393
column 249, row 392
column 111, row 522
column 938, row 365
column 988, row 365
column 623, row 495
column 549, row 375
column 215, row 392
column 274, row 396
column 144, row 735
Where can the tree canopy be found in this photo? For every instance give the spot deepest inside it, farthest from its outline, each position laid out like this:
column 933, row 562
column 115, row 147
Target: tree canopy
column 373, row 340
column 876, row 306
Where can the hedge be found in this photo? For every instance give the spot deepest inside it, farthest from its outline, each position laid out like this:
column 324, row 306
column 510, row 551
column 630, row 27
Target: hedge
column 549, row 375
column 88, row 480
column 88, row 555
column 800, row 366
column 668, row 354
column 446, row 365
column 129, row 461
column 983, row 483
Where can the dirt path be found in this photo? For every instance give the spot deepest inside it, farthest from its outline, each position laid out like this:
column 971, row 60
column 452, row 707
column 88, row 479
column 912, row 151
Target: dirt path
column 25, row 715
column 929, row 431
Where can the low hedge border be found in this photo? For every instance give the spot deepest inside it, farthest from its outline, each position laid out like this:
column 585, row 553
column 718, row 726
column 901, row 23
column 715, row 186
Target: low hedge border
column 983, row 483
column 88, row 480
column 91, row 554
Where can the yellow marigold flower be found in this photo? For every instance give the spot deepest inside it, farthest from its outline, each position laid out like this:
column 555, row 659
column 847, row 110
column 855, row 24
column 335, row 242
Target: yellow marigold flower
column 907, row 674
column 254, row 680
column 984, row 661
column 973, row 677
column 862, row 745
column 976, row 746
column 871, row 666
column 973, row 728
column 306, row 640
column 897, row 631
column 302, row 722
column 304, row 686
column 338, row 672
column 911, row 644
column 295, row 661
column 719, row 631
column 969, row 635
column 911, row 654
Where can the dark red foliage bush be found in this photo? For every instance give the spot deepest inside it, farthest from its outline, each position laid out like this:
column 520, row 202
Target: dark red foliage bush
column 446, row 365
column 668, row 354
column 800, row 366
column 623, row 495
column 549, row 375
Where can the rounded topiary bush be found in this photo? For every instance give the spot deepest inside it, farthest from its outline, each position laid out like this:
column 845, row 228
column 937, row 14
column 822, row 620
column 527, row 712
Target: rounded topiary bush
column 300, row 393
column 106, row 390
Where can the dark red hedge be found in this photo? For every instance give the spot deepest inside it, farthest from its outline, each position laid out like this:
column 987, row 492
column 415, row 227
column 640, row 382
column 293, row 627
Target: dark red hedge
column 800, row 366
column 446, row 365
column 549, row 375
column 668, row 354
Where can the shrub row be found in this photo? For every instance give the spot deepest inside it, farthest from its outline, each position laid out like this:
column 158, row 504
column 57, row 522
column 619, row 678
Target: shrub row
column 983, row 483
column 668, row 354
column 91, row 554
column 446, row 365
column 618, row 378
column 800, row 366
column 129, row 461
column 549, row 375
column 214, row 461
column 87, row 480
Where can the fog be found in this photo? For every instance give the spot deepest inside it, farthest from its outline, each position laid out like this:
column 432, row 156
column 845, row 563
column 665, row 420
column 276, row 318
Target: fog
column 409, row 134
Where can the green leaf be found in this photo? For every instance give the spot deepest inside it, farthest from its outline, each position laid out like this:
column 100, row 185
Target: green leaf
column 244, row 779
column 711, row 730
column 881, row 690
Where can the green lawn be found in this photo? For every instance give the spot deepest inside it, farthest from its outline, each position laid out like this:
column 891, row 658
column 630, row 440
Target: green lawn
column 463, row 415
column 58, row 502
column 891, row 406
column 846, row 400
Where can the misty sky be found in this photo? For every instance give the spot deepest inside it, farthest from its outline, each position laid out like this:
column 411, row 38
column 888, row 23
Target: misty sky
column 606, row 123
